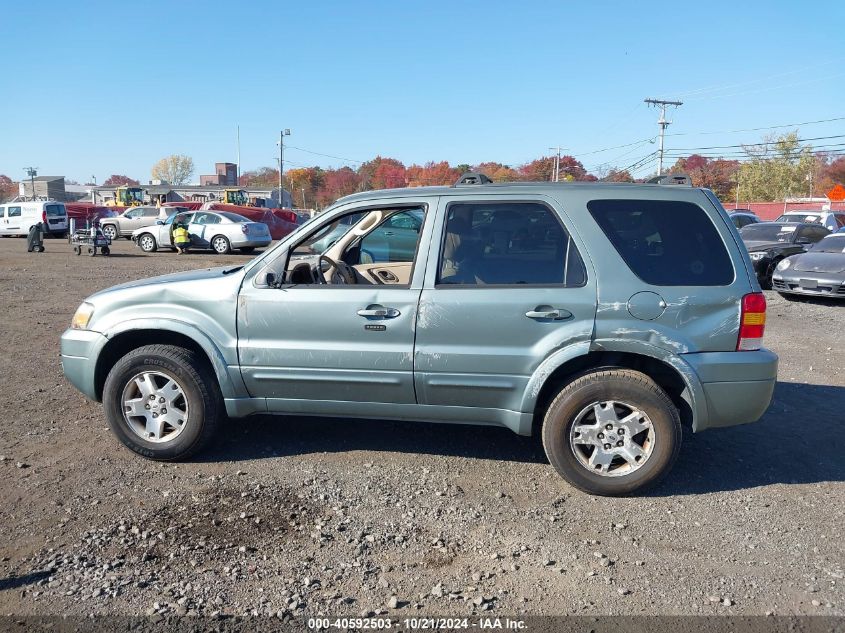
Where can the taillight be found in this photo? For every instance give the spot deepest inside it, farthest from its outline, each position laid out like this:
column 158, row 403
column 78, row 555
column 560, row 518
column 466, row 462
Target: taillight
column 752, row 322
column 44, row 217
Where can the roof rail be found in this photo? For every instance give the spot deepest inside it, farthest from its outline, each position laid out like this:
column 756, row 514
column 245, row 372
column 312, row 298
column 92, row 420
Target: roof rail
column 473, row 178
column 671, row 179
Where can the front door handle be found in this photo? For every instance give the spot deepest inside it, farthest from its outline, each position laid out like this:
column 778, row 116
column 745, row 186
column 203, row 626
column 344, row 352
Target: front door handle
column 547, row 312
column 379, row 311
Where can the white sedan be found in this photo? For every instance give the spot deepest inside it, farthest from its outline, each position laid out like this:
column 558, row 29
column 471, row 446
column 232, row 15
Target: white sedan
column 219, row 231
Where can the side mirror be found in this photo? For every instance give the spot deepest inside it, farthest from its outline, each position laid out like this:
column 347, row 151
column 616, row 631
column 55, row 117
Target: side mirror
column 160, row 222
column 270, row 279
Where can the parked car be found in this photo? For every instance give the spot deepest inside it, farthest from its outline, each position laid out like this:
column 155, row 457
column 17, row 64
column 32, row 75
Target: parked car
column 818, row 272
column 834, row 220
column 16, row 218
column 602, row 317
column 743, row 218
column 133, row 218
column 769, row 242
column 220, row 231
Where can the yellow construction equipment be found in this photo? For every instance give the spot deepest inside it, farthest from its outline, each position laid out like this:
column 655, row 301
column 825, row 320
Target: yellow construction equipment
column 235, row 196
column 125, row 196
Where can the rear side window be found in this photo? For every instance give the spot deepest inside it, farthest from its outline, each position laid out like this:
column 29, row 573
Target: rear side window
column 510, row 243
column 54, row 210
column 14, row 212
column 665, row 243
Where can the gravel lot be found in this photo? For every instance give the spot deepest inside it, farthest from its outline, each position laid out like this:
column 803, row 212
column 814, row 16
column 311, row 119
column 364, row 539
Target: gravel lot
column 293, row 515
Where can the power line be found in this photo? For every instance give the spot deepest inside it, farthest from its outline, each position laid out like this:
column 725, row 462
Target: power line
column 760, row 144
column 758, row 129
column 308, row 151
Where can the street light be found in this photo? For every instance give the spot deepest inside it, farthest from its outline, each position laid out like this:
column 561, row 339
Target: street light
column 282, row 134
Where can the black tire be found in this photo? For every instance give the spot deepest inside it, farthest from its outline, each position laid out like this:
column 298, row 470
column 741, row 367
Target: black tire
column 247, row 250
column 92, row 251
column 620, row 385
column 77, row 250
column 202, row 394
column 147, row 243
column 220, row 245
column 39, row 249
column 105, row 250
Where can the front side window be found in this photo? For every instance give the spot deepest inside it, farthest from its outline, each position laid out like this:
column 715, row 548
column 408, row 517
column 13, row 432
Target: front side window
column 666, row 243
column 2, row 212
column 507, row 243
column 394, row 240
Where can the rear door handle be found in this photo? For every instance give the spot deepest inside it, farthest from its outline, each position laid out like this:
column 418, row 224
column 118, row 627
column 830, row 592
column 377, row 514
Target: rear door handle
column 379, row 311
column 545, row 312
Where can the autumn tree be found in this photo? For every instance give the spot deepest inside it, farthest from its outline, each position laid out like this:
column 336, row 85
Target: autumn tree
column 117, row 180
column 303, row 184
column 382, row 173
column 432, row 174
column 829, row 173
column 8, row 188
column 618, row 175
column 777, row 168
column 337, row 183
column 717, row 174
column 497, row 172
column 541, row 169
column 175, row 169
column 263, row 177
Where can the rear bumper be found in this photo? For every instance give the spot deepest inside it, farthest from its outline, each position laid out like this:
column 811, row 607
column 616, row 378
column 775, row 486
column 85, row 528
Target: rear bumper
column 79, row 351
column 737, row 386
column 251, row 242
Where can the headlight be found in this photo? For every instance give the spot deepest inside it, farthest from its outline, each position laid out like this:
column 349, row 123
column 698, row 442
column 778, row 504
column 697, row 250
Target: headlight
column 784, row 264
column 757, row 256
column 82, row 316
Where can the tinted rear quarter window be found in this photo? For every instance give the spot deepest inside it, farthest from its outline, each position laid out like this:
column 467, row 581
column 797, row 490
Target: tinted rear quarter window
column 665, row 243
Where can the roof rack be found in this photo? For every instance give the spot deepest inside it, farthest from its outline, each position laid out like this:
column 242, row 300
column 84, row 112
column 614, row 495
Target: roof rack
column 473, row 178
column 671, row 179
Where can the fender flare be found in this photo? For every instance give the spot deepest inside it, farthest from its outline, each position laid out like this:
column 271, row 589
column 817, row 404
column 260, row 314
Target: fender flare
column 230, row 387
column 693, row 392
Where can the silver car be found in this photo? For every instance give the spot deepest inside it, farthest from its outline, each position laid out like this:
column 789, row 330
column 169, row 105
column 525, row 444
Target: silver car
column 124, row 224
column 219, row 231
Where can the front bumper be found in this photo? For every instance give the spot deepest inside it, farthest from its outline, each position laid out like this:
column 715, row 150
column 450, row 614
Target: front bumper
column 79, row 352
column 809, row 284
column 737, row 386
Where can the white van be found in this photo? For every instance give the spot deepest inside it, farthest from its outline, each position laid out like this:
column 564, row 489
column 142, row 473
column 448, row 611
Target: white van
column 16, row 218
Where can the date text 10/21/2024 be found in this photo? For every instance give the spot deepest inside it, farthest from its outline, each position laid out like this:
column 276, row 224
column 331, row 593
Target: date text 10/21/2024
column 417, row 624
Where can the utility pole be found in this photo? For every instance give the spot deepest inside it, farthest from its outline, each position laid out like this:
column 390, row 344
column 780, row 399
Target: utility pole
column 663, row 123
column 556, row 173
column 32, row 173
column 282, row 134
column 238, row 167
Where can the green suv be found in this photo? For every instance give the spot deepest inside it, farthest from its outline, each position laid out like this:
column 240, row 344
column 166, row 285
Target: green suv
column 603, row 317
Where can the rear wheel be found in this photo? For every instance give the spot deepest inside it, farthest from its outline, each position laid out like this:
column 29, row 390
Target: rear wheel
column 162, row 402
column 612, row 432
column 147, row 243
column 110, row 231
column 221, row 245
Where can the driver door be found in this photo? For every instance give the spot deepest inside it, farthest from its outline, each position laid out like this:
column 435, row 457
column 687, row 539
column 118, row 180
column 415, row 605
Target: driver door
column 335, row 348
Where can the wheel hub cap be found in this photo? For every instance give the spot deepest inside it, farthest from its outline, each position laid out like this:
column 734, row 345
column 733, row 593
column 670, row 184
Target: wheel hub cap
column 154, row 406
column 612, row 438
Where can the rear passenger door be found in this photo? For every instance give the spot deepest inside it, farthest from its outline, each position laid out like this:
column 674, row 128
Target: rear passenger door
column 505, row 287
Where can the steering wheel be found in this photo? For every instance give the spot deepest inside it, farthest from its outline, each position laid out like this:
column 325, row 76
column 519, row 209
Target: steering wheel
column 339, row 267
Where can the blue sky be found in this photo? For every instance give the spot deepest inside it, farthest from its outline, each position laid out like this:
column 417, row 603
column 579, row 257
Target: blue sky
column 95, row 88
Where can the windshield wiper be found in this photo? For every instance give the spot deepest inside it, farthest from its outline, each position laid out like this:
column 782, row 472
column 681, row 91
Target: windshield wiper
column 232, row 270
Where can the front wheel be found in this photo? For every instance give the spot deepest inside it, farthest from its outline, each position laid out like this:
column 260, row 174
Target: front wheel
column 110, row 231
column 147, row 243
column 162, row 402
column 221, row 245
column 612, row 432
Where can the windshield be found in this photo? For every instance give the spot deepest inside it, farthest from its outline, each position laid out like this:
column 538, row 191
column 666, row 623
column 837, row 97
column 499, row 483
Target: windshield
column 799, row 217
column 767, row 232
column 830, row 245
column 323, row 239
column 234, row 217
